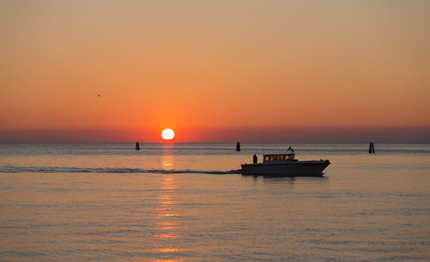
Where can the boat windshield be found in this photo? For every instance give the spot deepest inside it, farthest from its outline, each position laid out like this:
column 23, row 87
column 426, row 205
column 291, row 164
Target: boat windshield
column 281, row 157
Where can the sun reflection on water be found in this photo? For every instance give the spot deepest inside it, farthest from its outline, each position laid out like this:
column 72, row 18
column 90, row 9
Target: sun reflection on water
column 165, row 202
column 167, row 226
column 166, row 260
column 169, row 250
column 168, row 185
column 167, row 236
column 167, row 160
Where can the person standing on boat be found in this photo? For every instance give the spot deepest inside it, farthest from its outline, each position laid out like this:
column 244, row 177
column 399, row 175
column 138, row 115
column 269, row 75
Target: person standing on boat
column 254, row 158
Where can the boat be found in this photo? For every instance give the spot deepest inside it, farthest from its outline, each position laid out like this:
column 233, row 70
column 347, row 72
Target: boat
column 284, row 165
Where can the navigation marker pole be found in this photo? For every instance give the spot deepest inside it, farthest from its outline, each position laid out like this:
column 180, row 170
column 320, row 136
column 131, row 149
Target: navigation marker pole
column 371, row 148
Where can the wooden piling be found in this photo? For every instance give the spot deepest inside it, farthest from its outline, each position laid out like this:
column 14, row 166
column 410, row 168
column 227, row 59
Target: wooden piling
column 371, row 148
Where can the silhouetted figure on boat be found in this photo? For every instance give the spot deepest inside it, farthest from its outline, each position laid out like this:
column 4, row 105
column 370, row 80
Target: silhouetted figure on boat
column 254, row 159
column 137, row 146
column 238, row 147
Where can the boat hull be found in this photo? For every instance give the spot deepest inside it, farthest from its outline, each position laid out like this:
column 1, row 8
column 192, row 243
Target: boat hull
column 293, row 168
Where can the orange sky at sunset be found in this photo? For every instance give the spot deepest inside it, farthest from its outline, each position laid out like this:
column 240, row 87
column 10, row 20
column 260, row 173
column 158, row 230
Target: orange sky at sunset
column 215, row 71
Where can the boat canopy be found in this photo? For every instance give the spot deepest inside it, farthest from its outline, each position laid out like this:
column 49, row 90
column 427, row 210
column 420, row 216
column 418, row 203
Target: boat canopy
column 278, row 157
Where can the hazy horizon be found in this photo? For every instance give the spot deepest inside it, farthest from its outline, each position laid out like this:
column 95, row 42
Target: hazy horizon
column 298, row 135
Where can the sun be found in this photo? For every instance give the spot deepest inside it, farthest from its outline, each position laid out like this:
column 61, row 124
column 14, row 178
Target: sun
column 167, row 134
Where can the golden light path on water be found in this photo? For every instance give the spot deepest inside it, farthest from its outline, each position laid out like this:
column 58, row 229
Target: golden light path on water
column 168, row 228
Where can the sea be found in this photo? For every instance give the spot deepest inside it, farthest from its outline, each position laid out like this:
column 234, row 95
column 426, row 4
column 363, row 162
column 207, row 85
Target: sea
column 187, row 202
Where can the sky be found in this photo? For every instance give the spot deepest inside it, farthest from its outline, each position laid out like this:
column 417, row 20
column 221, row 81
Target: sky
column 215, row 71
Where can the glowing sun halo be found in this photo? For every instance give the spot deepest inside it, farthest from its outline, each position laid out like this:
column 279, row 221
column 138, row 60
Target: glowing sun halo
column 167, row 134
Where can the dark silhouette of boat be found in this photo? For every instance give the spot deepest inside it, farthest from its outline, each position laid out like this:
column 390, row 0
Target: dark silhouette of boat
column 285, row 165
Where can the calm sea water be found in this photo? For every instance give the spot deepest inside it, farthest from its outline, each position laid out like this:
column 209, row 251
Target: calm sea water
column 185, row 202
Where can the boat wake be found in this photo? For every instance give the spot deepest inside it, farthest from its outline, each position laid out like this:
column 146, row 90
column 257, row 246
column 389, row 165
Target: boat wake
column 21, row 169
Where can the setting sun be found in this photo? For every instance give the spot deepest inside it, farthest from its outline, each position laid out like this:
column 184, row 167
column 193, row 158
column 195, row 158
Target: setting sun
column 167, row 134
